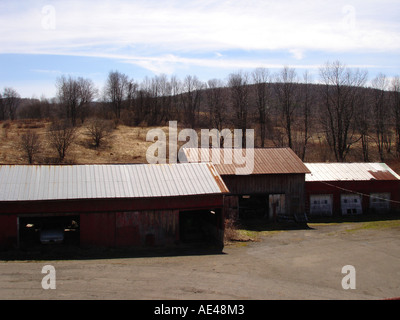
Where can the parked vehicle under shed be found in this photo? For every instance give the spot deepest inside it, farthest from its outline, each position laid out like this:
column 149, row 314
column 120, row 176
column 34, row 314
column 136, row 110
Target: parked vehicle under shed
column 110, row 205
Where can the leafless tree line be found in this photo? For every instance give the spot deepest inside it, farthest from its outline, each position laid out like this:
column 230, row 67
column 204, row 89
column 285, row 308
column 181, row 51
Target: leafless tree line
column 286, row 108
column 9, row 102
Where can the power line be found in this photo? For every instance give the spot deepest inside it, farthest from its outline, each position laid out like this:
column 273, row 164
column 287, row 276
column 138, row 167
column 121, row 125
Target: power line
column 360, row 193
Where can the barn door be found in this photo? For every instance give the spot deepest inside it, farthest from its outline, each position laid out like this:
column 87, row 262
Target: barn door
column 276, row 205
column 379, row 202
column 321, row 204
column 351, row 204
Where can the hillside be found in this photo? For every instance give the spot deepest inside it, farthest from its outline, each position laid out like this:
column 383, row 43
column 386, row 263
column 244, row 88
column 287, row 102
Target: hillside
column 125, row 144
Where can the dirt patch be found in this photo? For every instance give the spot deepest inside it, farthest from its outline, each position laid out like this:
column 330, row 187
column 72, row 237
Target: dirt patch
column 291, row 264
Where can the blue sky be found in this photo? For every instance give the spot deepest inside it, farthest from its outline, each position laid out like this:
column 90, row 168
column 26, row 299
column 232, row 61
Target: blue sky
column 42, row 40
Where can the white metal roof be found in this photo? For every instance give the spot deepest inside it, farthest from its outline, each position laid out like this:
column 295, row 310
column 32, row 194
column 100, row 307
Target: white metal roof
column 350, row 172
column 45, row 182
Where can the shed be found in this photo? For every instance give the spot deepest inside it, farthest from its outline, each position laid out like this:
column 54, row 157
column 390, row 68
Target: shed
column 340, row 189
column 273, row 188
column 111, row 205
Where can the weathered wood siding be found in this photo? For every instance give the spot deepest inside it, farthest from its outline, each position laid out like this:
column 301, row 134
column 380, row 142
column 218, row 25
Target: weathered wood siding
column 292, row 185
column 137, row 228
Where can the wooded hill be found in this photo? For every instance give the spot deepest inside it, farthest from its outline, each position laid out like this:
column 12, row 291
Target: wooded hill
column 339, row 119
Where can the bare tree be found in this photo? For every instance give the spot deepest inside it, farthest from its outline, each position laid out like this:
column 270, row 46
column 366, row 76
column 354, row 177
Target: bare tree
column 286, row 92
column 156, row 92
column 30, row 145
column 380, row 109
column 307, row 103
column 341, row 97
column 165, row 91
column 190, row 99
column 2, row 108
column 239, row 89
column 98, row 130
column 131, row 94
column 395, row 102
column 61, row 135
column 116, row 90
column 176, row 89
column 363, row 119
column 261, row 80
column 11, row 101
column 87, row 93
column 75, row 95
column 216, row 101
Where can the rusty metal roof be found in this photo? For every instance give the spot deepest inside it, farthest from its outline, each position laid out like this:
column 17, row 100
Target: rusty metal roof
column 46, row 182
column 350, row 172
column 266, row 160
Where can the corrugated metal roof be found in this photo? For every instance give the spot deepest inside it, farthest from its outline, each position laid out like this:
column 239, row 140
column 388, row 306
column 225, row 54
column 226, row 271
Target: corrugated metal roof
column 350, row 172
column 44, row 182
column 266, row 160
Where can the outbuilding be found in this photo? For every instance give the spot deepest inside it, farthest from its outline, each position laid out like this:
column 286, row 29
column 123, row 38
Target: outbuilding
column 111, row 205
column 341, row 189
column 274, row 188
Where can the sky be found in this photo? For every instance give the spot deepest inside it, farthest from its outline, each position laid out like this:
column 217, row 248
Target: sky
column 43, row 40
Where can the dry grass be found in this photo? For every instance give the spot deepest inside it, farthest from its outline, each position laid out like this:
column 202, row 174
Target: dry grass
column 235, row 233
column 124, row 145
column 128, row 145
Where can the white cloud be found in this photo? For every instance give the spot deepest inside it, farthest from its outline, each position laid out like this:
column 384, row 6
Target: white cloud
column 152, row 33
column 297, row 53
column 47, row 71
column 190, row 26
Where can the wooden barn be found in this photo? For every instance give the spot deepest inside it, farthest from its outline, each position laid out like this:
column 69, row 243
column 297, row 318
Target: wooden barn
column 341, row 189
column 273, row 189
column 111, row 205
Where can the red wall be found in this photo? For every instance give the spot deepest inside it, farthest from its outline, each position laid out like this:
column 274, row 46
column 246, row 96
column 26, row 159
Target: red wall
column 108, row 205
column 135, row 228
column 112, row 222
column 336, row 188
column 97, row 229
column 8, row 231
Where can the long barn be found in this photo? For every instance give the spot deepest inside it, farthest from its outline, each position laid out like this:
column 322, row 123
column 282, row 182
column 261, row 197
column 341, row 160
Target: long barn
column 111, row 205
column 342, row 189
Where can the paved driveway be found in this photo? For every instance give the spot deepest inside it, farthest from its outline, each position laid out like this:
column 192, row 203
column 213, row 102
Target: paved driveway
column 295, row 264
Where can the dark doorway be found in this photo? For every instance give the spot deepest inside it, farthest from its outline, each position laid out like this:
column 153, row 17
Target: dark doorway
column 253, row 206
column 43, row 230
column 200, row 226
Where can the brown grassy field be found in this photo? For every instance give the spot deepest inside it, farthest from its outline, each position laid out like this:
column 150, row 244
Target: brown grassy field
column 125, row 145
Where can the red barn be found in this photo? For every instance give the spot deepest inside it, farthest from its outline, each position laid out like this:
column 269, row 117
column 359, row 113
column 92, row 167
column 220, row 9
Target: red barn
column 351, row 188
column 272, row 187
column 111, row 205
